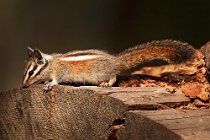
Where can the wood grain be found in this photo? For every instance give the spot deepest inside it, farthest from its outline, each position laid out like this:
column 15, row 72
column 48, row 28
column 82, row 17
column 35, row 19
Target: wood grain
column 86, row 113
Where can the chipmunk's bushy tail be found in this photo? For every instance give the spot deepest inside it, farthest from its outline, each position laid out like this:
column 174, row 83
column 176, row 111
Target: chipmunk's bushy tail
column 172, row 51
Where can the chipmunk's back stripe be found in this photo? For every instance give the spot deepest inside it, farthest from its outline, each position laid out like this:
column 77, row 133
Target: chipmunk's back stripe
column 79, row 54
column 79, row 58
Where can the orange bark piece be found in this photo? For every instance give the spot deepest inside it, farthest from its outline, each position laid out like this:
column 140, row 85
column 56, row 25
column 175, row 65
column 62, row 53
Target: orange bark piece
column 195, row 89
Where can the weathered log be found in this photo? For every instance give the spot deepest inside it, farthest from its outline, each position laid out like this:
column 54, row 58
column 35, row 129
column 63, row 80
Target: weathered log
column 167, row 124
column 83, row 112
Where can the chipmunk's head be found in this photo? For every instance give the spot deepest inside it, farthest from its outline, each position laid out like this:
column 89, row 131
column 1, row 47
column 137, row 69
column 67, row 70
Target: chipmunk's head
column 34, row 65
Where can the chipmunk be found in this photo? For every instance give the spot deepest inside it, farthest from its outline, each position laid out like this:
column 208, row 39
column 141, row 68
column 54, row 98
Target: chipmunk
column 98, row 67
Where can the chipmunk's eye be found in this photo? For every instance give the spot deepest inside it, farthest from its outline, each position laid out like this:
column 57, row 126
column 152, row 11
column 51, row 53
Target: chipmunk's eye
column 31, row 72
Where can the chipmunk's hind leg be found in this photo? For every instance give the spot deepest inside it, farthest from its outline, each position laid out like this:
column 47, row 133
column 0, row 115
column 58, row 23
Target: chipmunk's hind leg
column 110, row 83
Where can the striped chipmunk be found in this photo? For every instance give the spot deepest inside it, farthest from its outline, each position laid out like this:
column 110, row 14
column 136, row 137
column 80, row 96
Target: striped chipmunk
column 98, row 67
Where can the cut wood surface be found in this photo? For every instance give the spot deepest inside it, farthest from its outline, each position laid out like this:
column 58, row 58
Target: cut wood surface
column 167, row 124
column 93, row 113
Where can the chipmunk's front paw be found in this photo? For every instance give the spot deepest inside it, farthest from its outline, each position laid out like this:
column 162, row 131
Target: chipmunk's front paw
column 49, row 85
column 47, row 88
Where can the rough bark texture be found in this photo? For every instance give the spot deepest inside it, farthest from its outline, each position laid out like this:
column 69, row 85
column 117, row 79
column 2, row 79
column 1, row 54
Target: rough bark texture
column 87, row 113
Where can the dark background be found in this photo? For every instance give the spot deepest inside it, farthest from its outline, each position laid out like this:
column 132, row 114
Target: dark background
column 112, row 25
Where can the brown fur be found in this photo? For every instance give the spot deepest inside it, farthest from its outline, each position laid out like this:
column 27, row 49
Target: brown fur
column 168, row 50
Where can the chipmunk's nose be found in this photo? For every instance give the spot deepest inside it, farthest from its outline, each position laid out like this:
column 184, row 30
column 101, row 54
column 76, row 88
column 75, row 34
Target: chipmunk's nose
column 24, row 85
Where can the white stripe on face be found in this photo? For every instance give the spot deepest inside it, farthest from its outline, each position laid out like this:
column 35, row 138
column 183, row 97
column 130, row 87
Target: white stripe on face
column 79, row 58
column 37, row 70
column 31, row 68
column 27, row 75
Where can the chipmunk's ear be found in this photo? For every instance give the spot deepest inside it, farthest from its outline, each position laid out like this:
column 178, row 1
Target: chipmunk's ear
column 30, row 52
column 37, row 54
